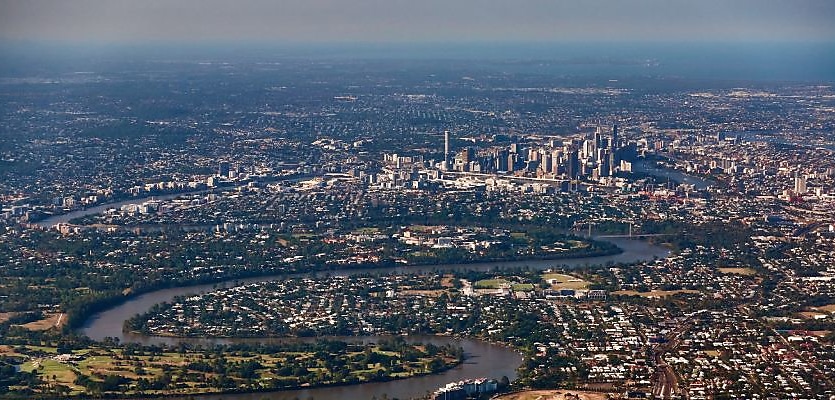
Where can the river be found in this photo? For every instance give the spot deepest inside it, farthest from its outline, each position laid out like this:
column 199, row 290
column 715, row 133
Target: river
column 650, row 168
column 65, row 218
column 484, row 359
column 47, row 223
column 51, row 221
column 109, row 322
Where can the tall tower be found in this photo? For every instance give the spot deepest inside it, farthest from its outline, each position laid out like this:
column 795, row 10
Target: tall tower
column 223, row 168
column 572, row 164
column 614, row 145
column 799, row 183
column 446, row 150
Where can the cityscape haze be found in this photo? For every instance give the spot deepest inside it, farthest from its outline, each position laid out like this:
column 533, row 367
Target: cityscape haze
column 417, row 200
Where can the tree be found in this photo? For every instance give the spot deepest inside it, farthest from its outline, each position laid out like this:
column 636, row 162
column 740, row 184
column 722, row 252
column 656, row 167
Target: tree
column 504, row 382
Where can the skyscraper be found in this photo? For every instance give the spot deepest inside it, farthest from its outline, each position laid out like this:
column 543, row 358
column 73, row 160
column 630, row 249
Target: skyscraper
column 614, row 145
column 223, row 169
column 799, row 184
column 572, row 164
column 446, row 150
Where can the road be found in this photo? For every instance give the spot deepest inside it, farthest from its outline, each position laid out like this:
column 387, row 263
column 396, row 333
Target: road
column 665, row 383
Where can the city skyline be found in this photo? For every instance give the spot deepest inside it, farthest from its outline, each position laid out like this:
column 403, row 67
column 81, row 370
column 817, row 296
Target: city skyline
column 385, row 199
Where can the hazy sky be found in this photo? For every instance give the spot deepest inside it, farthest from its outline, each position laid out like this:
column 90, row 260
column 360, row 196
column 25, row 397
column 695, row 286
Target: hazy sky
column 418, row 20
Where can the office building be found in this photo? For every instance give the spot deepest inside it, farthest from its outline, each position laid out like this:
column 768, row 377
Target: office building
column 223, row 169
column 446, row 150
column 800, row 184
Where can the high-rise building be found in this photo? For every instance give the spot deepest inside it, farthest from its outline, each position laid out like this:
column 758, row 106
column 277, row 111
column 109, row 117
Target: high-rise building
column 572, row 165
column 468, row 154
column 546, row 164
column 446, row 150
column 604, row 165
column 800, row 184
column 613, row 161
column 615, row 143
column 589, row 149
column 501, row 160
column 463, row 159
column 223, row 169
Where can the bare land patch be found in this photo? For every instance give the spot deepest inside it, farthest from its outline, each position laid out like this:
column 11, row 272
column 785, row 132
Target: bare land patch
column 812, row 315
column 447, row 281
column 563, row 281
column 428, row 293
column 655, row 293
column 5, row 316
column 51, row 321
column 553, row 395
column 738, row 271
column 828, row 308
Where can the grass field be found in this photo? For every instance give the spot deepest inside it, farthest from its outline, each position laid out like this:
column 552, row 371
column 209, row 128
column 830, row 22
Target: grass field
column 367, row 230
column 564, row 281
column 45, row 349
column 577, row 244
column 424, row 228
column 57, row 372
column 96, row 363
column 490, row 283
column 522, row 287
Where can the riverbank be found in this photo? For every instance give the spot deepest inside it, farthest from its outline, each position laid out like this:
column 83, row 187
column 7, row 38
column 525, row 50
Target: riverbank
column 64, row 218
column 89, row 310
column 108, row 321
column 141, row 372
column 124, row 199
column 483, row 359
column 649, row 167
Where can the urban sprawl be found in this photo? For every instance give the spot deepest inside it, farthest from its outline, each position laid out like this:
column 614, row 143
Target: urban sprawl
column 439, row 202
